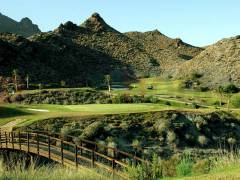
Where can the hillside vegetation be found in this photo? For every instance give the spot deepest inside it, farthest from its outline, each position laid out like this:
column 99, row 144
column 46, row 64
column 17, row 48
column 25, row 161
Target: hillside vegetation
column 218, row 64
column 168, row 52
column 82, row 55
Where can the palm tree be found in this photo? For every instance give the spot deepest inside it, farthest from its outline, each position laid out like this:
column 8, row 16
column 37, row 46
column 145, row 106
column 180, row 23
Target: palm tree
column 15, row 79
column 108, row 80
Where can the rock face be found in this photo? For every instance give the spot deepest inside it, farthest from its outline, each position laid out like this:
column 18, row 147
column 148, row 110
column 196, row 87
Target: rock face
column 169, row 53
column 218, row 64
column 24, row 28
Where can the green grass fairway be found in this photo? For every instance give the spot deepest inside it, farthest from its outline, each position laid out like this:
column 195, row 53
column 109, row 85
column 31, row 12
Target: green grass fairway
column 30, row 113
column 171, row 90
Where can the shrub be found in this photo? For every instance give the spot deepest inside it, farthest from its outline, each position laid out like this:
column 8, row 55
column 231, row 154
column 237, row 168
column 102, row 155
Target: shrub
column 185, row 166
column 122, row 98
column 65, row 131
column 162, row 126
column 137, row 99
column 151, row 171
column 202, row 140
column 196, row 75
column 201, row 166
column 171, row 137
column 235, row 101
column 169, row 166
column 231, row 88
column 195, row 105
column 92, row 130
column 186, row 84
column 153, row 99
column 110, row 151
column 203, row 88
column 139, row 172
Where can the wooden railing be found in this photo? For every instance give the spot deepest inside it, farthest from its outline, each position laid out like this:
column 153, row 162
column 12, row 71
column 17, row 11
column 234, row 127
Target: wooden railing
column 65, row 151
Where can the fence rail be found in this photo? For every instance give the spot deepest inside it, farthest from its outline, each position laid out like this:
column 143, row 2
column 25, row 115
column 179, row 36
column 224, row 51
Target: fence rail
column 65, row 151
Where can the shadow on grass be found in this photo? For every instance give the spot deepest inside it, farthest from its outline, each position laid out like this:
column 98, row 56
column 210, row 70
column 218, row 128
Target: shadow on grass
column 7, row 112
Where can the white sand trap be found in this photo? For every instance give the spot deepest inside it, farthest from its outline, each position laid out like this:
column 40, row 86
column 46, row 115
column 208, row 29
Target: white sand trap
column 39, row 110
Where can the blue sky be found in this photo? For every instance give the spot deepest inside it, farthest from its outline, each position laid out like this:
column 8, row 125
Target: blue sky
column 198, row 22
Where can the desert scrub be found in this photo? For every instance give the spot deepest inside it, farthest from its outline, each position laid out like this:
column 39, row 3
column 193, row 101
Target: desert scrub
column 202, row 140
column 53, row 172
column 184, row 167
column 151, row 170
column 235, row 101
column 201, row 166
column 92, row 130
column 67, row 97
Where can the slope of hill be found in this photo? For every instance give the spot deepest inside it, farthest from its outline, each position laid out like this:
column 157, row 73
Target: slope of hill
column 218, row 64
column 53, row 59
column 24, row 28
column 76, row 54
column 169, row 52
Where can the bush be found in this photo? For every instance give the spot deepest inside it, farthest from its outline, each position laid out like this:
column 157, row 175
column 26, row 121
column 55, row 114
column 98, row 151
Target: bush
column 202, row 140
column 196, row 75
column 65, row 131
column 151, row 171
column 235, row 101
column 171, row 137
column 203, row 88
column 231, row 88
column 122, row 98
column 195, row 105
column 201, row 166
column 169, row 166
column 92, row 130
column 185, row 166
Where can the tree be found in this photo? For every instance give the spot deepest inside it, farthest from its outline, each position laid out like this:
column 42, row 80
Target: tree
column 108, row 81
column 15, row 79
column 220, row 91
column 27, row 81
column 228, row 92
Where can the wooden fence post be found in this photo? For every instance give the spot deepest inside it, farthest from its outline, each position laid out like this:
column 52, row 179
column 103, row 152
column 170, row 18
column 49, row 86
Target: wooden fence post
column 113, row 167
column 76, row 156
column 49, row 147
column 12, row 140
column 1, row 138
column 93, row 157
column 19, row 140
column 37, row 143
column 6, row 140
column 62, row 152
column 28, row 142
column 81, row 143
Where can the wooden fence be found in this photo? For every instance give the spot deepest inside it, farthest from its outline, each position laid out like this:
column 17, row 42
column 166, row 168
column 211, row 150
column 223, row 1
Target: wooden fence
column 65, row 151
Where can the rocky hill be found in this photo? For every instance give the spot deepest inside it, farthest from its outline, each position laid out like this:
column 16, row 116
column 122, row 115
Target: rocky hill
column 169, row 53
column 218, row 64
column 54, row 58
column 83, row 54
column 24, row 28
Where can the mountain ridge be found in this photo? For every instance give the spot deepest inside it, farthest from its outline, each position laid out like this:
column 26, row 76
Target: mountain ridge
column 125, row 56
column 24, row 27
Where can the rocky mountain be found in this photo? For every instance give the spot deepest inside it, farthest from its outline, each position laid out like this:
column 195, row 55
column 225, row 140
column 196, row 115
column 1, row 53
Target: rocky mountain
column 218, row 64
column 24, row 28
column 53, row 58
column 78, row 53
column 169, row 53
column 83, row 54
